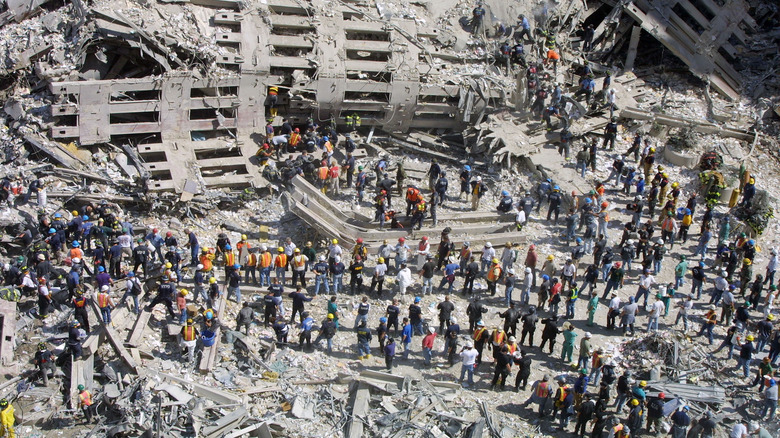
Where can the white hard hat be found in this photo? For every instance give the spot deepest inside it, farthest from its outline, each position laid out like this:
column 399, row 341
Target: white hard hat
column 200, row 266
column 453, row 320
column 469, row 344
column 510, row 271
column 337, row 259
column 322, row 258
column 488, row 244
column 104, row 288
column 431, row 330
column 528, row 270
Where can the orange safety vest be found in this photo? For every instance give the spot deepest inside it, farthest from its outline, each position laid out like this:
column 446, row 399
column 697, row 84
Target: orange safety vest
column 86, row 398
column 76, row 252
column 205, row 260
column 102, row 300
column 512, row 348
column 323, row 172
column 188, row 333
column 411, row 194
column 498, row 337
column 295, row 138
column 542, row 389
column 618, row 431
column 281, row 260
column 299, row 261
column 230, row 258
column 328, row 147
column 478, row 333
column 240, row 245
column 273, row 91
column 265, row 259
column 465, row 253
column 668, row 224
column 494, row 273
column 251, row 259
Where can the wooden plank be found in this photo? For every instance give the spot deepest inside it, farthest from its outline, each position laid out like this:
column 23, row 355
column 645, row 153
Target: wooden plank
column 113, row 338
column 138, row 328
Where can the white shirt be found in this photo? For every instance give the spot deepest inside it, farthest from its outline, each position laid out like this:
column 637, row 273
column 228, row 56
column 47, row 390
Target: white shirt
column 469, row 356
column 402, row 251
column 646, row 281
column 520, row 218
column 124, row 241
column 404, row 277
column 380, row 269
column 686, row 307
column 721, row 284
column 614, row 303
column 738, row 431
column 27, row 281
column 772, row 265
column 289, row 248
column 569, row 270
column 488, row 253
column 334, row 250
column 658, row 309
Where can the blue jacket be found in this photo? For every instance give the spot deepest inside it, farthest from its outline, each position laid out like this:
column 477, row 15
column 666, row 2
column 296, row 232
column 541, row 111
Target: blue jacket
column 390, row 349
column 407, row 334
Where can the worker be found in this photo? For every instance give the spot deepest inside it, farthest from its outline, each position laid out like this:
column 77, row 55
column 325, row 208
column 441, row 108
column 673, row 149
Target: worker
column 273, row 98
column 478, row 189
column 165, row 296
column 85, row 403
column 75, row 338
column 189, row 335
column 7, row 419
column 105, row 304
column 477, row 17
column 610, row 133
column 43, row 360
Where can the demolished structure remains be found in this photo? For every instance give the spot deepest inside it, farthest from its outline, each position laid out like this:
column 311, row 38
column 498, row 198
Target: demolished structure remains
column 141, row 117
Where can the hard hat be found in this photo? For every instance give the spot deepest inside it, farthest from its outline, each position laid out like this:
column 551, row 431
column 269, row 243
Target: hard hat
column 488, row 245
column 661, row 395
column 41, row 346
column 550, row 257
column 675, row 184
column 80, row 388
column 165, row 278
column 337, row 259
column 545, row 277
column 770, row 317
column 512, row 339
column 322, row 258
column 417, row 299
column 588, row 201
column 617, row 264
column 359, row 240
column 52, row 231
column 643, row 383
column 401, row 239
column 467, row 168
column 528, row 270
column 209, row 314
column 76, row 244
column 480, row 323
column 750, row 338
column 57, row 215
column 280, row 249
column 183, row 292
column 199, row 267
column 243, row 237
column 189, row 321
column 75, row 323
column 752, row 180
column 41, row 257
column 751, row 242
column 453, row 320
column 431, row 330
column 747, row 262
column 101, row 269
column 479, row 178
column 556, row 187
column 330, row 316
column 334, row 241
column 495, row 260
column 634, row 402
column 466, row 244
column 504, row 193
column 228, row 247
column 204, row 250
column 236, row 266
column 297, row 250
column 604, row 204
column 588, row 335
column 213, row 280
column 381, row 260
column 168, row 265
column 578, row 240
column 511, row 271
column 383, row 319
column 104, row 288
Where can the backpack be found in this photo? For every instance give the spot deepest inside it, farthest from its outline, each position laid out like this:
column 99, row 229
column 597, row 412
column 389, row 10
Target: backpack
column 137, row 288
column 607, row 375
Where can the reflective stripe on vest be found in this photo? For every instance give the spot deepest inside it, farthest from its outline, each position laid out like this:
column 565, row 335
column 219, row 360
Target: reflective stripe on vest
column 494, row 273
column 498, row 337
column 281, row 260
column 189, row 333
column 299, row 261
column 478, row 333
column 86, row 398
column 230, row 259
column 323, row 172
column 265, row 260
column 102, row 300
column 541, row 389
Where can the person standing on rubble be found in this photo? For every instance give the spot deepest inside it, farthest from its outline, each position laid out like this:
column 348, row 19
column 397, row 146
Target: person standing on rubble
column 477, row 18
column 478, row 189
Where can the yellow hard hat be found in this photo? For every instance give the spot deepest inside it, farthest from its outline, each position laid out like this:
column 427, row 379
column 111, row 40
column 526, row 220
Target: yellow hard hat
column 750, row 338
column 748, row 262
column 675, row 184
column 665, row 175
column 243, row 237
column 770, row 317
column 297, row 250
column 660, row 168
column 330, row 316
column 752, row 180
column 643, row 383
column 280, row 249
column 550, row 257
column 183, row 292
column 381, row 259
column 634, row 402
column 76, row 213
column 334, row 241
column 204, row 250
column 213, row 280
column 168, row 265
column 495, row 260
column 652, row 149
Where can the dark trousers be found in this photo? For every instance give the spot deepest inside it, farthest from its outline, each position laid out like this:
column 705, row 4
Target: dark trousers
column 299, row 311
column 519, row 379
column 499, row 374
column 582, row 424
column 165, row 301
column 305, row 336
column 468, row 286
column 299, row 275
column 377, row 281
column 544, row 341
column 530, row 337
column 389, row 362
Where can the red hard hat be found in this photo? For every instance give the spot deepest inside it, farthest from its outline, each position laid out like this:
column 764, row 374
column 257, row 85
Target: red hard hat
column 617, row 264
column 359, row 240
column 155, row 230
column 168, row 234
column 401, row 239
column 532, row 246
column 424, row 237
column 604, row 204
column 297, row 130
column 662, row 395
